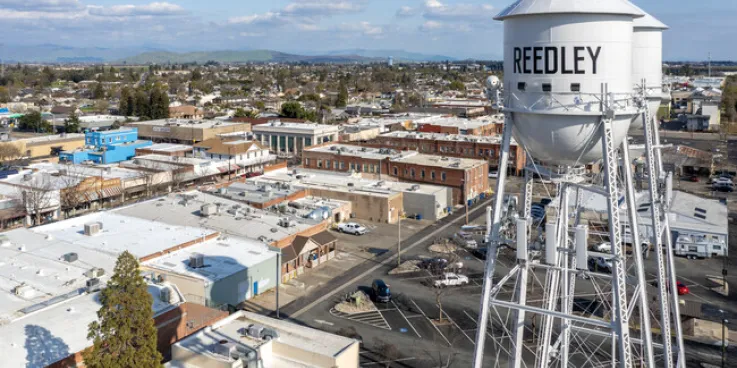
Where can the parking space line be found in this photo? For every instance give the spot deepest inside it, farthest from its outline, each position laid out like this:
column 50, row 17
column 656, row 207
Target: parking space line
column 405, row 318
column 430, row 321
column 473, row 342
column 389, row 361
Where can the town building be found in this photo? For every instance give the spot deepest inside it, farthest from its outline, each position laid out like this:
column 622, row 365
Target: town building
column 291, row 138
column 467, row 177
column 106, row 147
column 252, row 156
column 165, row 149
column 465, row 107
column 371, row 199
column 270, row 227
column 359, row 133
column 454, row 145
column 55, row 275
column 94, row 122
column 44, row 146
column 186, row 131
column 487, row 125
column 185, row 112
column 229, row 343
column 231, row 270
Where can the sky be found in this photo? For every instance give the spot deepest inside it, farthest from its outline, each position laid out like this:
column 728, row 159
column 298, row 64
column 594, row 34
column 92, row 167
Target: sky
column 456, row 28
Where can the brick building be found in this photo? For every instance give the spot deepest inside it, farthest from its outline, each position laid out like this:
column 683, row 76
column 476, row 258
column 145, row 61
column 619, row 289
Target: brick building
column 488, row 125
column 466, row 146
column 467, row 177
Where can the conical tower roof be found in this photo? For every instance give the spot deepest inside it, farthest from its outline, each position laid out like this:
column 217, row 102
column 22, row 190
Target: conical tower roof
column 538, row 7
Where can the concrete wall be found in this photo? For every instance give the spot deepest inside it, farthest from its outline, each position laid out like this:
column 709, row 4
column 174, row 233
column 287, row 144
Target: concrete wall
column 430, row 206
column 43, row 149
column 365, row 205
column 239, row 286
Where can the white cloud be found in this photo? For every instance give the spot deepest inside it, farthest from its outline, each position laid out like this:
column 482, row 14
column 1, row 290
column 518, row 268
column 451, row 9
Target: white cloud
column 41, row 5
column 323, row 7
column 251, row 34
column 363, row 28
column 435, row 10
column 431, row 25
column 264, row 18
column 153, row 9
column 407, row 11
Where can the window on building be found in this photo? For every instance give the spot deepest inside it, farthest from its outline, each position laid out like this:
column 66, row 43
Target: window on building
column 442, row 176
column 376, row 169
column 491, row 152
column 575, row 87
column 342, row 165
column 422, row 173
column 432, row 175
column 481, row 151
column 327, row 164
column 351, row 166
column 335, row 164
column 307, row 162
column 365, row 168
column 547, row 87
column 412, row 173
column 406, row 172
column 396, row 171
column 319, row 163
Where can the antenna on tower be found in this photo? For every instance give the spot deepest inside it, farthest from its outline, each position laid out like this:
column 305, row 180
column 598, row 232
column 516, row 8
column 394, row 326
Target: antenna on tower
column 709, row 64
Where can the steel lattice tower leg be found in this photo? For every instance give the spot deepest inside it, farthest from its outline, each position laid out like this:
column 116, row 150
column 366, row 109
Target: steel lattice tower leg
column 641, row 290
column 620, row 323
column 492, row 232
column 652, row 174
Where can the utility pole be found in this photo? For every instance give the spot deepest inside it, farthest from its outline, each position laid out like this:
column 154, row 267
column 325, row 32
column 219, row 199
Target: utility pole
column 710, row 65
column 399, row 238
column 278, row 279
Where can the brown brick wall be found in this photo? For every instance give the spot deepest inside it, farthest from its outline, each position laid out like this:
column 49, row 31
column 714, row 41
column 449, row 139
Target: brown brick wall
column 407, row 172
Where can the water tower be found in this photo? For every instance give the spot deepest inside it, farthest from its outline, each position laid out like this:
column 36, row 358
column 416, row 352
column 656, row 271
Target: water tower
column 647, row 63
column 569, row 101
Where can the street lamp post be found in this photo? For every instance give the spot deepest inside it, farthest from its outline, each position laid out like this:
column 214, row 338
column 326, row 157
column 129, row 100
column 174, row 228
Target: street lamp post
column 724, row 341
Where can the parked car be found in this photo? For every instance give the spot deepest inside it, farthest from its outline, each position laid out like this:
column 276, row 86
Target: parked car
column 439, row 264
column 723, row 187
column 465, row 240
column 537, row 211
column 546, row 201
column 451, row 279
column 600, row 264
column 681, row 288
column 253, row 174
column 480, row 253
column 352, row 228
column 692, row 178
column 603, row 247
column 380, row 291
column 494, row 174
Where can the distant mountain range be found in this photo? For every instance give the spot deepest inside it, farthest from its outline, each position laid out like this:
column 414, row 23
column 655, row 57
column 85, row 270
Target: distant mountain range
column 397, row 55
column 49, row 53
column 249, row 56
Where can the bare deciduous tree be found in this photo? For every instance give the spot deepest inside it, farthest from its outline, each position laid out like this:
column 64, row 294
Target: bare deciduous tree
column 37, row 195
column 9, row 152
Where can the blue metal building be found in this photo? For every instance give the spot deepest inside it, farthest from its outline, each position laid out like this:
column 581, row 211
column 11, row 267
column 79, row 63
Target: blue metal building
column 107, row 147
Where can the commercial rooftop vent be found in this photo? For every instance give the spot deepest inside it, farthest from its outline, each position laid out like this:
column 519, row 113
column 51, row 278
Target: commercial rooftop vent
column 208, row 209
column 70, row 257
column 197, row 260
column 94, row 272
column 92, row 228
column 165, row 295
column 93, row 285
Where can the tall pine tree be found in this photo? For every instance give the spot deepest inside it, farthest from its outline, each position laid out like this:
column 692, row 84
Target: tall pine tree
column 125, row 107
column 142, row 105
column 124, row 334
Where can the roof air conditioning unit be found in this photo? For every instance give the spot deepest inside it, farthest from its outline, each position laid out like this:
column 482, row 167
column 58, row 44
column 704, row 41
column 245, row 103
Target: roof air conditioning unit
column 225, row 348
column 197, row 260
column 165, row 295
column 415, row 187
column 70, row 257
column 92, row 228
column 94, row 272
column 208, row 209
column 23, row 290
column 93, row 285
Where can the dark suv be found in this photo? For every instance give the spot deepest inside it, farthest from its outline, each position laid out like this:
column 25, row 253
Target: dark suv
column 380, row 291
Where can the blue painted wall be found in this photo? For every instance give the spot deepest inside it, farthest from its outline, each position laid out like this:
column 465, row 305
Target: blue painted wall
column 110, row 147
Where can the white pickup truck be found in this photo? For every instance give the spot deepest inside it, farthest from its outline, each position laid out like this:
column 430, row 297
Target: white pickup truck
column 451, row 279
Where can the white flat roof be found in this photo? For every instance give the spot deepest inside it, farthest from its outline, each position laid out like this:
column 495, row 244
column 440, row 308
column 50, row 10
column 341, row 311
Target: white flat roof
column 359, row 151
column 289, row 127
column 493, row 139
column 223, row 257
column 168, row 147
column 54, row 333
column 186, row 123
column 183, row 209
column 346, row 182
column 107, row 171
column 291, row 336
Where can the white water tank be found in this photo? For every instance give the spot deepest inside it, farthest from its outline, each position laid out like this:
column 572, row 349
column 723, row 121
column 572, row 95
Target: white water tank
column 557, row 54
column 647, row 63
